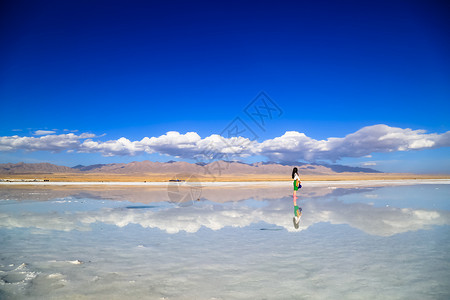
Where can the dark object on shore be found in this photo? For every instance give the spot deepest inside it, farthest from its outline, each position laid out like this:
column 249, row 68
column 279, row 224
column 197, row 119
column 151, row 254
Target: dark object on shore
column 177, row 180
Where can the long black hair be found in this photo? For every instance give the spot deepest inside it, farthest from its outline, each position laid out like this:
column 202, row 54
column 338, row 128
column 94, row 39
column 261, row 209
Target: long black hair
column 294, row 171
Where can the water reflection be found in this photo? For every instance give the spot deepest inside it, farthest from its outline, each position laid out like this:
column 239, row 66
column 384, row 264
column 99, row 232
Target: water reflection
column 80, row 211
column 297, row 216
column 297, row 213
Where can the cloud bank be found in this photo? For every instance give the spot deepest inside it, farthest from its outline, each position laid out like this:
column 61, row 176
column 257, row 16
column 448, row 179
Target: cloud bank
column 52, row 142
column 291, row 146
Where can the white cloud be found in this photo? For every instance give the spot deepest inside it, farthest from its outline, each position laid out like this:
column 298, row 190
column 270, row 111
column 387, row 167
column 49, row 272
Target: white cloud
column 121, row 146
column 369, row 163
column 189, row 145
column 370, row 139
column 44, row 132
column 172, row 143
column 291, row 146
column 52, row 142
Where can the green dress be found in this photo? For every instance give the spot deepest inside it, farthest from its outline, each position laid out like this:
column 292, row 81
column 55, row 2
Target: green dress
column 296, row 208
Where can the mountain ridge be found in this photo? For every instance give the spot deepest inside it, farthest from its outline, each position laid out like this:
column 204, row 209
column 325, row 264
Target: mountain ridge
column 216, row 167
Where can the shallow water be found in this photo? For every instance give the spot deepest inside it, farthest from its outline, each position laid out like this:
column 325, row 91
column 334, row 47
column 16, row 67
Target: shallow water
column 234, row 242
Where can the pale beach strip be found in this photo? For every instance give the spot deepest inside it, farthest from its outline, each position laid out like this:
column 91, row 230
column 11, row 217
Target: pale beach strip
column 337, row 183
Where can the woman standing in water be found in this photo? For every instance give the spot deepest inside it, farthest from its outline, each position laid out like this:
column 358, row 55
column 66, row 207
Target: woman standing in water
column 297, row 182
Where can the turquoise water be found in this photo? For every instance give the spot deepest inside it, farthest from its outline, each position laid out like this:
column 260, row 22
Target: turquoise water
column 388, row 242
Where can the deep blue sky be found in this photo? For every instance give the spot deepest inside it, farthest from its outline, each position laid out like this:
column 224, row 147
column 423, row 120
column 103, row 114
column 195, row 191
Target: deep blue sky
column 139, row 69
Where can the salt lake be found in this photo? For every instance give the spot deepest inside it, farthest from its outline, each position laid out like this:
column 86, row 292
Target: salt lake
column 356, row 240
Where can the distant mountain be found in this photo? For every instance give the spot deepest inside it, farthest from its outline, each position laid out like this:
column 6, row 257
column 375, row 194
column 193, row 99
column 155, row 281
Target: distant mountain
column 88, row 168
column 146, row 167
column 176, row 167
column 24, row 168
column 335, row 168
column 341, row 169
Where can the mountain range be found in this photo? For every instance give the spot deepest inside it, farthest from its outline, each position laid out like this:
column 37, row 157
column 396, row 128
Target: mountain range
column 217, row 167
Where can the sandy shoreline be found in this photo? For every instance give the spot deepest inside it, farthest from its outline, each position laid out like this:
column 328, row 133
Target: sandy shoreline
column 225, row 184
column 164, row 178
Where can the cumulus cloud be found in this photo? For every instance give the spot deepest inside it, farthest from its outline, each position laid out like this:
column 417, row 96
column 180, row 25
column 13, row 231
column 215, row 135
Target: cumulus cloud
column 189, row 145
column 54, row 143
column 121, row 146
column 371, row 139
column 291, row 146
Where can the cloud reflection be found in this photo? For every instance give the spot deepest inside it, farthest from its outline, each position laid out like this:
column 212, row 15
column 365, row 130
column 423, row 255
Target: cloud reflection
column 380, row 221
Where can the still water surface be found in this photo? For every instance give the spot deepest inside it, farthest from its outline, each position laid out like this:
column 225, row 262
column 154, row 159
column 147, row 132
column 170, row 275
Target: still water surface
column 226, row 242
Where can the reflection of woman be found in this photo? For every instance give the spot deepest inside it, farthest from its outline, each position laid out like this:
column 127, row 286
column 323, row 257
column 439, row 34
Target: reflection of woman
column 297, row 215
column 296, row 181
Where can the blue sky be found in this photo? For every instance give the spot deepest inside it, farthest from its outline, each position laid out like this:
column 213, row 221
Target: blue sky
column 76, row 76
